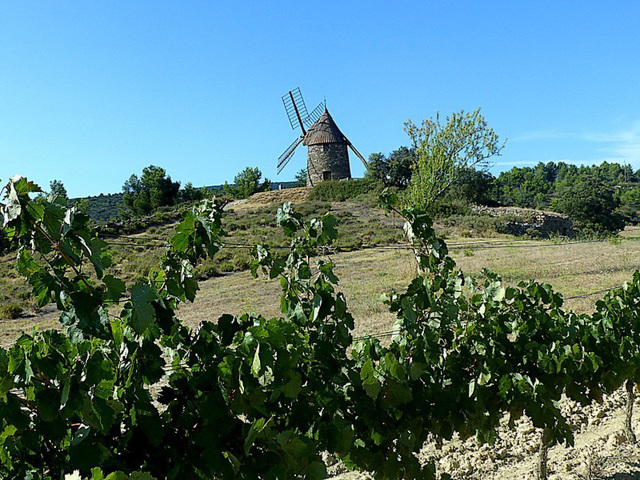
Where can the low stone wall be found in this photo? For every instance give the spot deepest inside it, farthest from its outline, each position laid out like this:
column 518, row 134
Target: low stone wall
column 546, row 223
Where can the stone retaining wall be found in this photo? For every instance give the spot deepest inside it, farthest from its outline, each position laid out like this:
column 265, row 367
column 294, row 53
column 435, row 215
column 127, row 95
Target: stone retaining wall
column 546, row 223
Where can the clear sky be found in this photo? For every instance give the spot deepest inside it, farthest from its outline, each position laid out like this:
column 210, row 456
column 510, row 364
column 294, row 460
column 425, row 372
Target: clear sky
column 93, row 91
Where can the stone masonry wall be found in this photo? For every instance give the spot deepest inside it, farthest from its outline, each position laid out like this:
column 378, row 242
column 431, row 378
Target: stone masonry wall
column 327, row 157
column 547, row 223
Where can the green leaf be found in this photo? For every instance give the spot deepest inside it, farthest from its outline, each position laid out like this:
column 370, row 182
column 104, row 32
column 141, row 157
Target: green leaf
column 141, row 476
column 484, row 378
column 81, row 434
column 256, row 364
column 143, row 313
column 117, row 476
column 369, row 382
column 115, row 288
column 316, row 471
column 256, row 429
column 96, row 474
column 472, row 387
column 292, row 388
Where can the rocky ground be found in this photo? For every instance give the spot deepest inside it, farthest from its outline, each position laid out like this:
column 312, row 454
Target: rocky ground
column 600, row 451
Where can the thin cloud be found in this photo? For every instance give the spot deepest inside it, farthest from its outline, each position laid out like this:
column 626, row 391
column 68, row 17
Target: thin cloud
column 622, row 146
column 540, row 135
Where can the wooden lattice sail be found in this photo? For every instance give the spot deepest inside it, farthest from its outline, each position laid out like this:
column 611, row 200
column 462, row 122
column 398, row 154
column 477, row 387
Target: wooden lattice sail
column 327, row 155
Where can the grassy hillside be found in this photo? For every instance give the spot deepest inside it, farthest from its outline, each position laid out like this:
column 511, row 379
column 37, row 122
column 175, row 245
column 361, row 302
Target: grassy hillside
column 368, row 255
column 103, row 208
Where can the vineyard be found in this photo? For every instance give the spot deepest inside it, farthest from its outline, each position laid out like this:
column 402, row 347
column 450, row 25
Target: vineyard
column 127, row 390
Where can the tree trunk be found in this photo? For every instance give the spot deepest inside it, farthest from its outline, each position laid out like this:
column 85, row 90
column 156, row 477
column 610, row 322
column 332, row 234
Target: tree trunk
column 628, row 411
column 545, row 443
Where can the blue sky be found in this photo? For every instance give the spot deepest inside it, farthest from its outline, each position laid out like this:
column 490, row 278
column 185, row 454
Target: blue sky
column 91, row 92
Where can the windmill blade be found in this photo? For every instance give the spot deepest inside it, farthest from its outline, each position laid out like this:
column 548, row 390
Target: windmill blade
column 315, row 114
column 358, row 154
column 295, row 108
column 287, row 154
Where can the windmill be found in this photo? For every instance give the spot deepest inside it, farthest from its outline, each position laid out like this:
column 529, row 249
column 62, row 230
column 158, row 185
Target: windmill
column 327, row 155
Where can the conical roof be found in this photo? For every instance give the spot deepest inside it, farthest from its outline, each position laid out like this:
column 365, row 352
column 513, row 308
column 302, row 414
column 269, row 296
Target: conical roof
column 324, row 130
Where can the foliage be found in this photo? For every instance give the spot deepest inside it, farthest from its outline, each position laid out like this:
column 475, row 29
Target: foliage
column 152, row 190
column 394, row 171
column 191, row 194
column 57, row 188
column 630, row 205
column 251, row 397
column 301, row 178
column 10, row 311
column 341, row 190
column 5, row 245
column 591, row 205
column 444, row 150
column 473, row 187
column 247, row 182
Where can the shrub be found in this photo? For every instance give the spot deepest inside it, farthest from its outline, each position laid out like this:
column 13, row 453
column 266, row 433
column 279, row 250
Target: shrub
column 341, row 190
column 11, row 311
column 592, row 207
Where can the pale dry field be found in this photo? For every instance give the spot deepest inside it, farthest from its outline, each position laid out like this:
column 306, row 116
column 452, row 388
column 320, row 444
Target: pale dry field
column 574, row 269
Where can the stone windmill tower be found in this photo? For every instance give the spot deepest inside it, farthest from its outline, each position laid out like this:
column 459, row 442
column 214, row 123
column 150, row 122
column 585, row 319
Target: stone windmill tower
column 327, row 156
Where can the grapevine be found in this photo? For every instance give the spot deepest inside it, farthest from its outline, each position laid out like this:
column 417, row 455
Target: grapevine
column 126, row 388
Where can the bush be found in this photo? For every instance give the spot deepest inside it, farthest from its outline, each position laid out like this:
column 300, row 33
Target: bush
column 482, row 225
column 592, row 206
column 341, row 190
column 11, row 311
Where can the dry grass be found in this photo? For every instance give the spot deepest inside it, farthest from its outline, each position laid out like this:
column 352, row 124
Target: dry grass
column 261, row 199
column 573, row 269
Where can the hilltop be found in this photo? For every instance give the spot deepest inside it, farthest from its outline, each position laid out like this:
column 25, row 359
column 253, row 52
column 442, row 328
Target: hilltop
column 105, row 207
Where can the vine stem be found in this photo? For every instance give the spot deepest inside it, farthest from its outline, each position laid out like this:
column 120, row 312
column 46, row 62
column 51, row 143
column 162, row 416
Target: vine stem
column 543, row 453
column 63, row 255
column 628, row 412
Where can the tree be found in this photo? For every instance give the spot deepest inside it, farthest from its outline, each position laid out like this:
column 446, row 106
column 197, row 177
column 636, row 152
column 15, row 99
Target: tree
column 591, row 205
column 400, row 166
column 248, row 182
column 57, row 188
column 189, row 193
column 394, row 171
column 82, row 205
column 149, row 192
column 473, row 187
column 444, row 150
column 630, row 205
column 377, row 167
column 301, row 178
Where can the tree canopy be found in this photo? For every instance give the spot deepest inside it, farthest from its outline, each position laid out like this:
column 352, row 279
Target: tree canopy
column 247, row 182
column 443, row 150
column 152, row 190
column 592, row 206
column 392, row 171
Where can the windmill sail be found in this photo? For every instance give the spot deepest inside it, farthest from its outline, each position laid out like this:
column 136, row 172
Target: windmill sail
column 357, row 153
column 313, row 116
column 295, row 107
column 287, row 154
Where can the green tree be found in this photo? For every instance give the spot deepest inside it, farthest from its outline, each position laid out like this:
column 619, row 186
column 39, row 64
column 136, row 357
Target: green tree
column 152, row 190
column 377, row 168
column 394, row 171
column 630, row 205
column 443, row 150
column 473, row 187
column 248, row 182
column 189, row 193
column 301, row 178
column 82, row 205
column 591, row 205
column 57, row 188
